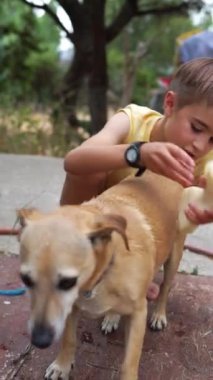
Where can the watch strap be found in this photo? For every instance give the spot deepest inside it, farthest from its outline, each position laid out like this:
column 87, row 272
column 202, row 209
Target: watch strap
column 141, row 169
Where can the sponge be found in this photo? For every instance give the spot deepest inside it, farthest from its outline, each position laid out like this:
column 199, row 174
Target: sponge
column 202, row 198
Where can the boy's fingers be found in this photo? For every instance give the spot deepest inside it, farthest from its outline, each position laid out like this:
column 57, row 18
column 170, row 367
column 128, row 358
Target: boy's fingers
column 178, row 172
column 202, row 182
column 191, row 216
column 184, row 181
column 197, row 215
column 182, row 157
column 169, row 160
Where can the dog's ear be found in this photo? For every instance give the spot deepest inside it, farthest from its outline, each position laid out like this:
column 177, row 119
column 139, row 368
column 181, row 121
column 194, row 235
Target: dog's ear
column 24, row 215
column 105, row 225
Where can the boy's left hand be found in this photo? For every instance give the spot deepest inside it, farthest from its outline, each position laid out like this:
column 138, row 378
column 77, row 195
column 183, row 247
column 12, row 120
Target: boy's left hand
column 198, row 216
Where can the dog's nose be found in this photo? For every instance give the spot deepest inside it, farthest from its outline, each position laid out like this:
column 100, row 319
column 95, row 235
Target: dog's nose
column 42, row 336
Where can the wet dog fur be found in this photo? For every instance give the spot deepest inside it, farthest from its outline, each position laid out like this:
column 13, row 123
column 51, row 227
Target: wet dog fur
column 100, row 257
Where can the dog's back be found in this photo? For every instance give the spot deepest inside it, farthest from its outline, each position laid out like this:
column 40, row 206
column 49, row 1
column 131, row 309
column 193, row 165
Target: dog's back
column 156, row 198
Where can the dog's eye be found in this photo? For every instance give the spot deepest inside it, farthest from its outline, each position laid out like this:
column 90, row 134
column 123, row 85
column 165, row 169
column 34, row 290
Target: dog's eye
column 27, row 280
column 67, row 283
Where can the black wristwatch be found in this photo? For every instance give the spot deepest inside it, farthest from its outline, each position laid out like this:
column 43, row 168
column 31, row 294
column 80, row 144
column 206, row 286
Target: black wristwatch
column 133, row 157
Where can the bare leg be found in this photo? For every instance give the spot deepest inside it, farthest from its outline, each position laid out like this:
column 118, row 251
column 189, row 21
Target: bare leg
column 153, row 291
column 78, row 189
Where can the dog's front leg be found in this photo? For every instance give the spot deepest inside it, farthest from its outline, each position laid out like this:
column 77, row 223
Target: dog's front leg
column 158, row 320
column 64, row 362
column 135, row 330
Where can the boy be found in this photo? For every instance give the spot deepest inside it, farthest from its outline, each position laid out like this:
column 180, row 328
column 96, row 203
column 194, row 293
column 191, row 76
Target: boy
column 177, row 144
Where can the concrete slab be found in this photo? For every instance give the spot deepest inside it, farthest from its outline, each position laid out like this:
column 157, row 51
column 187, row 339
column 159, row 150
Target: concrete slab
column 36, row 181
column 27, row 181
column 182, row 351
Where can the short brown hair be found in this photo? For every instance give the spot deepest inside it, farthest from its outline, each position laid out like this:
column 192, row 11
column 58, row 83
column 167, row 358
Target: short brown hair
column 193, row 82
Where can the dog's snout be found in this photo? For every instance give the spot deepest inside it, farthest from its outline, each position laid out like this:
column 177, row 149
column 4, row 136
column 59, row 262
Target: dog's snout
column 42, row 336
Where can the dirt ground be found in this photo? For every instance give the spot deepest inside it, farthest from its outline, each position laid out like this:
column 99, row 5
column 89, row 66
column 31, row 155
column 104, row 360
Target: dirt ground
column 184, row 351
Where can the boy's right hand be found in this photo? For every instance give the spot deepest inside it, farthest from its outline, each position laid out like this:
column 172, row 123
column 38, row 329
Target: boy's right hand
column 169, row 160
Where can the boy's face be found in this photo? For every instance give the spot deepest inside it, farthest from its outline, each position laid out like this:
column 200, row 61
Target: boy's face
column 190, row 127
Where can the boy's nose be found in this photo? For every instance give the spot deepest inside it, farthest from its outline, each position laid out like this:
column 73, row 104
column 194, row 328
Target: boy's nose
column 201, row 145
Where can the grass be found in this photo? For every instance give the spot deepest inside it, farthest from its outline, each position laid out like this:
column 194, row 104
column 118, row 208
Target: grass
column 195, row 271
column 28, row 131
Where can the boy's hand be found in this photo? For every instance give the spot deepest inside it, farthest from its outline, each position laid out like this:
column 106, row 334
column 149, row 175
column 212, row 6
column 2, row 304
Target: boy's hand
column 169, row 160
column 197, row 216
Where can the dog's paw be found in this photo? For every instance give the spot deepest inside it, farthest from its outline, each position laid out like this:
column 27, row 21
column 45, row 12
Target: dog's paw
column 57, row 372
column 110, row 323
column 158, row 322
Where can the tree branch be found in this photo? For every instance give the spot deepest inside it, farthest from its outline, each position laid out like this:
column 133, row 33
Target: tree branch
column 72, row 7
column 52, row 14
column 130, row 10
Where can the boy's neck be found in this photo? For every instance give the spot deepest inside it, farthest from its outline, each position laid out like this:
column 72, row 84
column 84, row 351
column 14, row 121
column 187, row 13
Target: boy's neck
column 157, row 133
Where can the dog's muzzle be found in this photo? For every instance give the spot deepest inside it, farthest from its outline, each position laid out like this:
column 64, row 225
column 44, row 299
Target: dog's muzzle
column 42, row 336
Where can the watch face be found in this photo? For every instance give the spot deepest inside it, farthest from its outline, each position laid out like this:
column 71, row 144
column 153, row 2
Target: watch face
column 132, row 155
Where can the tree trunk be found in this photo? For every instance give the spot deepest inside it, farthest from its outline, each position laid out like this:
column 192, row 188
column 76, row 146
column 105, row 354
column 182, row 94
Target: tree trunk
column 89, row 63
column 98, row 79
column 97, row 94
column 94, row 68
column 72, row 84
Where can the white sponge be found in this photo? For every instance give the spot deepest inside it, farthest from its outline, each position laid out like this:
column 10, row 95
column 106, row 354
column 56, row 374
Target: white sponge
column 202, row 198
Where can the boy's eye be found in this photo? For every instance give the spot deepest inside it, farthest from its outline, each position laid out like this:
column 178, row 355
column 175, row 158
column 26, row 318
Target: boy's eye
column 196, row 129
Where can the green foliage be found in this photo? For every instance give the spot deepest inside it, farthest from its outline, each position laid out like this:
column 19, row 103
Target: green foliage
column 29, row 58
column 145, row 82
column 159, row 35
column 115, row 63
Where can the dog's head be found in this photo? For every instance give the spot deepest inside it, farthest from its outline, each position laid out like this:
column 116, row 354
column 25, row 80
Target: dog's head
column 62, row 253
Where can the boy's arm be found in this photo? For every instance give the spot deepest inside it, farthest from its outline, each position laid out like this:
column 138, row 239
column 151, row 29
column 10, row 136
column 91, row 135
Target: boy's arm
column 104, row 152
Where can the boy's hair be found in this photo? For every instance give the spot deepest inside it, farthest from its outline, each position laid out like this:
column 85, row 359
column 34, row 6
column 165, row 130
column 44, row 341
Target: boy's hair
column 193, row 82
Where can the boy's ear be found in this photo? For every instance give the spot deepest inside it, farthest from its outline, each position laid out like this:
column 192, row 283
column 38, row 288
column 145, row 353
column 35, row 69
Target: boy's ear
column 169, row 103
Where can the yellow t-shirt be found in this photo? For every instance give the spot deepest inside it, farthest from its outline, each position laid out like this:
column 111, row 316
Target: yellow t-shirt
column 142, row 121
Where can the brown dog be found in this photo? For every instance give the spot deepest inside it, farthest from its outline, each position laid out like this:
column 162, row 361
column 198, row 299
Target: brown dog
column 100, row 257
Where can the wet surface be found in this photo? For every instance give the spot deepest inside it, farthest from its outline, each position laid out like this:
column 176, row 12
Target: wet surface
column 183, row 351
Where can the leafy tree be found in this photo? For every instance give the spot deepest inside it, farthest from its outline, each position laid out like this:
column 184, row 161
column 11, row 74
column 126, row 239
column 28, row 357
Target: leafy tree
column 95, row 25
column 138, row 56
column 28, row 58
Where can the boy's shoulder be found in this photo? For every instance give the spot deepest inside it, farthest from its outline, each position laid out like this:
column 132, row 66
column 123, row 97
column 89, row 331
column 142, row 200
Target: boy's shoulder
column 140, row 109
column 135, row 111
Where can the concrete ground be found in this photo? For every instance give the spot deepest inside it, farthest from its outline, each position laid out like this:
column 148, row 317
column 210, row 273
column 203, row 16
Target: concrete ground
column 183, row 351
column 35, row 181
